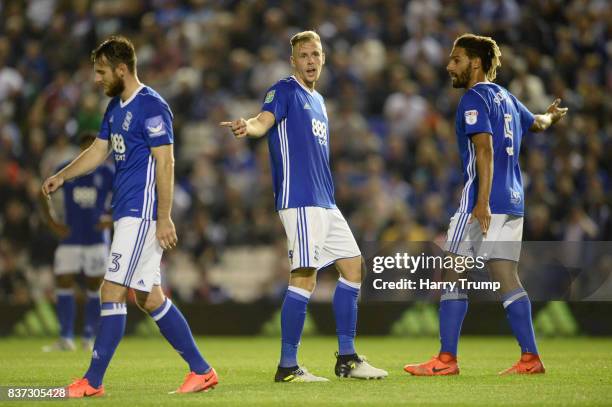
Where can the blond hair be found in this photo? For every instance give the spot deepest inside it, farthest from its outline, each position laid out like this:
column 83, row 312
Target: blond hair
column 304, row 36
column 485, row 48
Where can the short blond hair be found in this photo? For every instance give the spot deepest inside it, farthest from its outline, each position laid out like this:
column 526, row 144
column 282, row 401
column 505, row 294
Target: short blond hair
column 304, row 36
column 484, row 48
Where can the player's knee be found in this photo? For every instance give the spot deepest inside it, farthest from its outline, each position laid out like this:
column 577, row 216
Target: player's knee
column 506, row 273
column 508, row 286
column 352, row 269
column 141, row 302
column 149, row 302
column 151, row 305
column 304, row 285
column 304, row 278
column 310, row 286
column 140, row 306
column 111, row 292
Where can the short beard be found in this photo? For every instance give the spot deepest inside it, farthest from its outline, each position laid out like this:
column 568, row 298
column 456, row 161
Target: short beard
column 463, row 78
column 116, row 87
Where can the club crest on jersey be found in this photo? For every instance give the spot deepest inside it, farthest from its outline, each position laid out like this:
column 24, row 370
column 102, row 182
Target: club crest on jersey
column 127, row 121
column 471, row 116
column 155, row 126
column 270, row 96
column 515, row 197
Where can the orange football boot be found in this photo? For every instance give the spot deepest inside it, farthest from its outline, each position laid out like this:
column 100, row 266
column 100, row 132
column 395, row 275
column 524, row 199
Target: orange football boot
column 199, row 382
column 529, row 363
column 445, row 364
column 81, row 388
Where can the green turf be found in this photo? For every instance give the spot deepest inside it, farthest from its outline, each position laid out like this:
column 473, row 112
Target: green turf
column 144, row 370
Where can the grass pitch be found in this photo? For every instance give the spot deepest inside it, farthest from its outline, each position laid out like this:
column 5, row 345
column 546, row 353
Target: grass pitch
column 143, row 371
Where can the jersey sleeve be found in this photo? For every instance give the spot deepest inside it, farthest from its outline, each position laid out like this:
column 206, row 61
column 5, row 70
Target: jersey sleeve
column 157, row 124
column 527, row 118
column 275, row 102
column 475, row 114
column 105, row 129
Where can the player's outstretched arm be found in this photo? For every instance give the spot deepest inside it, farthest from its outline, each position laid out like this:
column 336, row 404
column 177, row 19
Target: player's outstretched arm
column 164, row 180
column 553, row 114
column 87, row 161
column 483, row 143
column 255, row 127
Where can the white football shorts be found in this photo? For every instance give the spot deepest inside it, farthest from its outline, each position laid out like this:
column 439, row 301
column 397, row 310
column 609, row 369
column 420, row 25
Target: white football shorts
column 72, row 258
column 503, row 240
column 135, row 254
column 317, row 237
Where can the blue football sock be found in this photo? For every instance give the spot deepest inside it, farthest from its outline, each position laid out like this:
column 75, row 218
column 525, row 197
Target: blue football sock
column 112, row 327
column 453, row 307
column 174, row 328
column 293, row 315
column 518, row 312
column 345, row 312
column 65, row 311
column 92, row 315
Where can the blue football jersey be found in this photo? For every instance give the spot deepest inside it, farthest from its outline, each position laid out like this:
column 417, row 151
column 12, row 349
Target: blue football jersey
column 85, row 201
column 299, row 146
column 133, row 127
column 489, row 108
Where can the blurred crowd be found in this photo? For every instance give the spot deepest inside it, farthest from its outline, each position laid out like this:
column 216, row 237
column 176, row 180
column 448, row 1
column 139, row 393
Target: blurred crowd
column 388, row 96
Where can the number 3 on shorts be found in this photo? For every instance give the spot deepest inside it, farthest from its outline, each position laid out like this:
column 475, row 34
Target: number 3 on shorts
column 115, row 261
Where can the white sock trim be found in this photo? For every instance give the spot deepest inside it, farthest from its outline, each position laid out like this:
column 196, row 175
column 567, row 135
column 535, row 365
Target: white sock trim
column 64, row 291
column 300, row 291
column 514, row 298
column 356, row 286
column 118, row 309
column 163, row 311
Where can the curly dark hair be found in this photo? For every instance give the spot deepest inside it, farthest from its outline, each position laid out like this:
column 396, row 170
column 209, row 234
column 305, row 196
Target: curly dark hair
column 485, row 48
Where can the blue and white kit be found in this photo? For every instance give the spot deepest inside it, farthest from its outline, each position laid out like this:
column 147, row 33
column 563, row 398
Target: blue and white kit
column 489, row 108
column 134, row 127
column 317, row 233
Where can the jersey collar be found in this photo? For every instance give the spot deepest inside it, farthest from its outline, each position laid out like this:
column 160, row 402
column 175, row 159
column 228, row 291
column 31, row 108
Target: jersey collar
column 303, row 87
column 127, row 102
